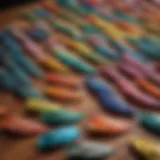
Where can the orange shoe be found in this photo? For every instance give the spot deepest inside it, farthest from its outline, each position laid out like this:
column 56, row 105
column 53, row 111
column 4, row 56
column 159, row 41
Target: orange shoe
column 62, row 94
column 101, row 124
column 66, row 81
column 148, row 87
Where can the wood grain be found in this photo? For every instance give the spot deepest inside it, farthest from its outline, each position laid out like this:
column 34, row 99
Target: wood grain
column 18, row 148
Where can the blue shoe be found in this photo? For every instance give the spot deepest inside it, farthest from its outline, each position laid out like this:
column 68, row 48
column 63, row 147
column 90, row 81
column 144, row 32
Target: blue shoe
column 108, row 98
column 58, row 137
column 37, row 34
column 106, row 52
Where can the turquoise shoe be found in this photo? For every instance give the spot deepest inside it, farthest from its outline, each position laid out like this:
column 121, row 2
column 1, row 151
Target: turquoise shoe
column 150, row 121
column 58, row 137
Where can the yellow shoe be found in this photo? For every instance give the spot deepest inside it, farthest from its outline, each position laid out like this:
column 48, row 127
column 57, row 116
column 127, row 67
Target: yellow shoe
column 146, row 148
column 41, row 105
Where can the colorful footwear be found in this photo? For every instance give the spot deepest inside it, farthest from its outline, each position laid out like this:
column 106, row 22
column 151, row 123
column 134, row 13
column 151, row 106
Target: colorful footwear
column 84, row 51
column 25, row 91
column 70, row 16
column 77, row 9
column 10, row 43
column 42, row 13
column 16, row 53
column 129, row 71
column 148, row 87
column 6, row 81
column 100, row 47
column 123, row 49
column 109, row 99
column 100, row 124
column 58, row 137
column 28, row 65
column 93, row 151
column 14, row 84
column 72, row 60
column 37, row 52
column 146, row 48
column 60, row 25
column 61, row 117
column 147, row 149
column 41, row 105
column 68, row 29
column 130, row 28
column 95, row 20
column 143, row 67
column 16, row 71
column 62, row 94
column 29, row 46
column 150, row 121
column 53, row 64
column 146, row 69
column 108, row 28
column 37, row 33
column 64, row 80
column 129, row 90
column 124, row 17
column 21, row 126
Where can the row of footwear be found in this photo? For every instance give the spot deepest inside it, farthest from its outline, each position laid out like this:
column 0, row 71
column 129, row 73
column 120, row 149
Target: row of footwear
column 66, row 36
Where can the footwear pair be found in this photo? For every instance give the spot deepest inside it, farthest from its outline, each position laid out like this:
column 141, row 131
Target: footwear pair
column 128, row 89
column 77, row 150
column 52, row 113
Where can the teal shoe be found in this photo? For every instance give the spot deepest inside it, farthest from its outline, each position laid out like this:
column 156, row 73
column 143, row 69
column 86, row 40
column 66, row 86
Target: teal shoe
column 14, row 50
column 125, row 17
column 27, row 91
column 27, row 65
column 6, row 81
column 17, row 72
column 61, row 117
column 71, row 31
column 150, row 121
column 74, row 61
column 145, row 47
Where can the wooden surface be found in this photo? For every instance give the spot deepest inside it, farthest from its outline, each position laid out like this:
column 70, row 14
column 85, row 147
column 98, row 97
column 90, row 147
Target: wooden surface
column 20, row 148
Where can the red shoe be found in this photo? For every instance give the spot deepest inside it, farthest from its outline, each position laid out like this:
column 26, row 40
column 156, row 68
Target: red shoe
column 21, row 126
